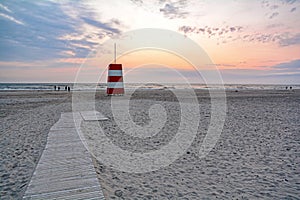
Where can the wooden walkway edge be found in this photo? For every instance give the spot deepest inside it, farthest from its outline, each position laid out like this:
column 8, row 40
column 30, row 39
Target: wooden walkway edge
column 65, row 169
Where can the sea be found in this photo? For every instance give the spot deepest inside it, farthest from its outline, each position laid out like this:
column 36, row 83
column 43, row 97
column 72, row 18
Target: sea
column 102, row 86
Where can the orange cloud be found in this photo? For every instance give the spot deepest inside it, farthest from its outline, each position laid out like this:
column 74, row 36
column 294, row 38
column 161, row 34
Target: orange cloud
column 72, row 60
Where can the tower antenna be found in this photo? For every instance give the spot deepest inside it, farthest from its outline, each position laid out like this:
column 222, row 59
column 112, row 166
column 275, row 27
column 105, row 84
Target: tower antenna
column 115, row 46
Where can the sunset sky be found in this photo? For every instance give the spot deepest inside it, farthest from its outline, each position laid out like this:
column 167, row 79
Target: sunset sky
column 249, row 41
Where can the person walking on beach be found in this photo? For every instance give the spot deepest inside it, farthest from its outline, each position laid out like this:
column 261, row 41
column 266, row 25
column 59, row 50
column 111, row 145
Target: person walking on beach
column 66, row 87
column 69, row 89
column 54, row 87
column 58, row 88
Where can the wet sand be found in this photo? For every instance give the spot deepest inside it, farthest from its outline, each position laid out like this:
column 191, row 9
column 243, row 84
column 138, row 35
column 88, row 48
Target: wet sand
column 257, row 155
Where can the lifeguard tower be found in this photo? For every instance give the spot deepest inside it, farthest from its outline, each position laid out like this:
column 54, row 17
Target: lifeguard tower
column 115, row 85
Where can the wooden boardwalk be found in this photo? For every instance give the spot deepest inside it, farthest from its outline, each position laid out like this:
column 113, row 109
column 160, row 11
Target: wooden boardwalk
column 65, row 169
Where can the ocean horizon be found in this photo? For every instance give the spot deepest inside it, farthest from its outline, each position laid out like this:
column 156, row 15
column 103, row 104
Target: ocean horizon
column 102, row 86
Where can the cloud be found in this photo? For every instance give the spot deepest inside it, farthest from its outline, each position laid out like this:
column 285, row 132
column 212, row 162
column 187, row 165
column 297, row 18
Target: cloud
column 210, row 30
column 274, row 10
column 98, row 24
column 290, row 1
column 72, row 60
column 137, row 2
column 90, row 31
column 288, row 66
column 222, row 65
column 286, row 71
column 220, row 33
column 17, row 65
column 274, row 7
column 5, row 8
column 238, row 76
column 227, row 34
column 49, row 31
column 266, row 3
column 174, row 9
column 11, row 19
column 38, row 39
column 275, row 14
column 71, row 53
column 282, row 73
column 293, row 40
column 282, row 39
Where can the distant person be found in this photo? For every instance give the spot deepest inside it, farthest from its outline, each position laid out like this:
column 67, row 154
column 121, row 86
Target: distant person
column 66, row 87
column 291, row 87
column 69, row 89
column 54, row 87
column 58, row 88
column 286, row 87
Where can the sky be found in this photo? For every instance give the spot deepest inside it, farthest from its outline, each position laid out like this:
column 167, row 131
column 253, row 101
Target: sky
column 250, row 42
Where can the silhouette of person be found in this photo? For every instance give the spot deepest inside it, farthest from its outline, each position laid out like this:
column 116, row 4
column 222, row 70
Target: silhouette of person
column 58, row 88
column 66, row 87
column 291, row 87
column 69, row 89
column 54, row 87
column 286, row 87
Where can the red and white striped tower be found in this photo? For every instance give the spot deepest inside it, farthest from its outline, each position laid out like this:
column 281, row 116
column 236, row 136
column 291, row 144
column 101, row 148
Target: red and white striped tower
column 115, row 85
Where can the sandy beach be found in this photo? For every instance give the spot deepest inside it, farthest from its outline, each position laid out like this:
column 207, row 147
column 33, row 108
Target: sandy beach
column 256, row 157
column 26, row 118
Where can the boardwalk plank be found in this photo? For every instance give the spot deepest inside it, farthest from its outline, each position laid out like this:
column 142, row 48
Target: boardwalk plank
column 65, row 169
